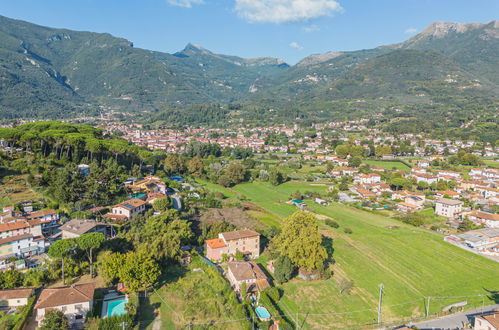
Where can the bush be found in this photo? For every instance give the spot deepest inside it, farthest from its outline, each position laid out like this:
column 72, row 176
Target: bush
column 348, row 231
column 332, row 223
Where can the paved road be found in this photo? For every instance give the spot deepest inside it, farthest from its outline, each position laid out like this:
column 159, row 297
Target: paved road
column 176, row 202
column 454, row 321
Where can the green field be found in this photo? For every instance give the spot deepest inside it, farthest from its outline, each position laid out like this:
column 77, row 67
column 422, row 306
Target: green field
column 412, row 263
column 388, row 164
column 196, row 295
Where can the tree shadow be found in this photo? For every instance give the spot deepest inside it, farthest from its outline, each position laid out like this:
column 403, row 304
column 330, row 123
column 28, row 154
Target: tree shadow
column 172, row 274
column 148, row 312
column 493, row 295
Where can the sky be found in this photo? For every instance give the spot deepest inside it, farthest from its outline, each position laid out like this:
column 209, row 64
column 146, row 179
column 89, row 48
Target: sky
column 287, row 29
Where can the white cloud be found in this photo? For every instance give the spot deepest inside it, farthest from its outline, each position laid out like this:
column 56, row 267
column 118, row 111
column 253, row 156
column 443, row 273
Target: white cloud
column 410, row 31
column 311, row 28
column 281, row 11
column 185, row 3
column 295, row 45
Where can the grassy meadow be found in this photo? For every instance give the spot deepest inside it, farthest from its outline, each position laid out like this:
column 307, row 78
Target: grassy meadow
column 412, row 263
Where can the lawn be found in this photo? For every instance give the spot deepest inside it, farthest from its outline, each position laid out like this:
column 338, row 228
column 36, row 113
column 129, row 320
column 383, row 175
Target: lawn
column 412, row 263
column 197, row 295
column 217, row 188
column 388, row 164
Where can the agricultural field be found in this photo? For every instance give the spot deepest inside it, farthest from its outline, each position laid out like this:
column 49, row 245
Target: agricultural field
column 388, row 164
column 410, row 262
column 14, row 189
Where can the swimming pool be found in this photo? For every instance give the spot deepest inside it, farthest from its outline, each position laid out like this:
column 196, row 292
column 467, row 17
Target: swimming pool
column 115, row 307
column 263, row 313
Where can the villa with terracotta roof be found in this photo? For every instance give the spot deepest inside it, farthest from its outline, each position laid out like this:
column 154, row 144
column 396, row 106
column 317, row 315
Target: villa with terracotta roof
column 246, row 241
column 13, row 298
column 127, row 210
column 489, row 220
column 74, row 301
column 248, row 272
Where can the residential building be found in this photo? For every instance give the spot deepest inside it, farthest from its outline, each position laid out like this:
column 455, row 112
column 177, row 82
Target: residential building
column 452, row 194
column 77, row 227
column 248, row 272
column 229, row 243
column 448, row 208
column 489, row 321
column 13, row 298
column 480, row 239
column 216, row 249
column 406, row 207
column 127, row 210
column 489, row 220
column 422, row 177
column 74, row 301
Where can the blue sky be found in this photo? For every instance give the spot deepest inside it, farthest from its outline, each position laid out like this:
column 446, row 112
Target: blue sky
column 288, row 29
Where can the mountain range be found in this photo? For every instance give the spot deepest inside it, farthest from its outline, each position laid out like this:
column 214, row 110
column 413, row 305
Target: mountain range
column 53, row 73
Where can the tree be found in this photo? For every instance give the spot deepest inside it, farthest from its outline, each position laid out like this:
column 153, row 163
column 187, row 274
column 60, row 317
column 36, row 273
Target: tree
column 195, row 166
column 110, row 265
column 423, row 185
column 163, row 235
column 466, row 225
column 140, row 271
column 90, row 242
column 345, row 286
column 283, row 269
column 235, row 173
column 275, row 177
column 11, row 279
column 355, row 161
column 61, row 249
column 161, row 204
column 382, row 150
column 54, row 320
column 300, row 241
column 174, row 164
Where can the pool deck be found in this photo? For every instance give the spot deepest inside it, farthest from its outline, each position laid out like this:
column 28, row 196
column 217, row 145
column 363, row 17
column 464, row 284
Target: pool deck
column 109, row 298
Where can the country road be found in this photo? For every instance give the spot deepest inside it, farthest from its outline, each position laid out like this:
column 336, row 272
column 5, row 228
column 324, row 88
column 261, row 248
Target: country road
column 455, row 321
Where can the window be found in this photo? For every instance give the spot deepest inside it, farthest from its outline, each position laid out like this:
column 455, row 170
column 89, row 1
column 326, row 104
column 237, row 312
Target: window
column 78, row 316
column 63, row 309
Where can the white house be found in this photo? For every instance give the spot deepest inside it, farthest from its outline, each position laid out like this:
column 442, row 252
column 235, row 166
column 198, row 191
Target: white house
column 448, row 208
column 74, row 301
column 127, row 210
column 13, row 298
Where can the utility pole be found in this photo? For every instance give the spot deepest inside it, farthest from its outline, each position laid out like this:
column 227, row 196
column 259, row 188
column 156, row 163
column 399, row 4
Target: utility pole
column 123, row 324
column 381, row 287
column 428, row 307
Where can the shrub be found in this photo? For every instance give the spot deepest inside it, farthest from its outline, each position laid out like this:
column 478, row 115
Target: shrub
column 332, row 223
column 348, row 231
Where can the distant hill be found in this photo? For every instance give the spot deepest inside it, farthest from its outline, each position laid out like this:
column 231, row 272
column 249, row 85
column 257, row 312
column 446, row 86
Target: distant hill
column 471, row 47
column 56, row 73
column 53, row 72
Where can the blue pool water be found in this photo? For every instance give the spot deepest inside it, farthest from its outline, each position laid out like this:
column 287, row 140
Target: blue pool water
column 116, row 307
column 262, row 313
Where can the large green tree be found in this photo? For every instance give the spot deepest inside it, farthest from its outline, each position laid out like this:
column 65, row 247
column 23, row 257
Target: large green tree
column 301, row 241
column 139, row 271
column 90, row 242
column 164, row 235
column 54, row 320
column 61, row 250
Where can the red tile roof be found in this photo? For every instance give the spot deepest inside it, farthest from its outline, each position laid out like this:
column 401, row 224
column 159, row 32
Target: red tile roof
column 66, row 295
column 215, row 243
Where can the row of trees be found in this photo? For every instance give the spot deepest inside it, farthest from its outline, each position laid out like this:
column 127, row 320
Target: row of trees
column 73, row 142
